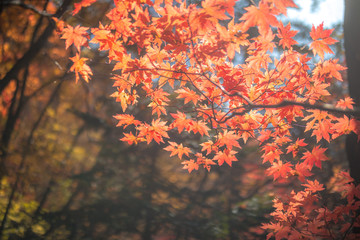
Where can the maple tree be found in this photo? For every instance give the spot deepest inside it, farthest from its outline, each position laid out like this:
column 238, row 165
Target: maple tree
column 65, row 175
column 183, row 64
column 217, row 80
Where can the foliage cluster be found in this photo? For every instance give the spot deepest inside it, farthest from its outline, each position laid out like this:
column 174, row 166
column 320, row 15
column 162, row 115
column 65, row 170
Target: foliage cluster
column 183, row 63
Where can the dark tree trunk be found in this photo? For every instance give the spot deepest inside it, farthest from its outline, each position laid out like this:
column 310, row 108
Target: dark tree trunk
column 352, row 53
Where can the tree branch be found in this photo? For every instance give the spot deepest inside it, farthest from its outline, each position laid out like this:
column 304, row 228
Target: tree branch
column 33, row 50
column 28, row 6
column 323, row 107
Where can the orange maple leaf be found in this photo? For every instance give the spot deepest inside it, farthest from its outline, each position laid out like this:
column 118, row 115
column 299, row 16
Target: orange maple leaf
column 180, row 121
column 229, row 139
column 132, row 139
column 190, row 165
column 227, row 156
column 126, row 120
column 323, row 130
column 344, row 125
column 261, row 16
column 321, row 40
column 188, row 95
column 328, row 69
column 208, row 147
column 80, row 68
column 199, row 127
column 77, row 36
column 156, row 131
column 178, row 149
column 347, row 102
column 125, row 98
column 286, row 34
column 280, row 6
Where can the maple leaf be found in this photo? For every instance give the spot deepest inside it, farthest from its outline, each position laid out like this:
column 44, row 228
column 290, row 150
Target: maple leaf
column 229, row 139
column 132, row 139
column 278, row 169
column 156, row 131
column 323, row 130
column 286, row 34
column 294, row 148
column 227, row 156
column 264, row 135
column 280, row 6
column 199, row 127
column 261, row 16
column 126, row 120
column 344, row 126
column 314, row 157
column 206, row 162
column 103, row 37
column 125, row 98
column 180, row 121
column 77, row 36
column 321, row 39
column 159, row 101
column 347, row 102
column 272, row 152
column 218, row 8
column 81, row 4
column 302, row 170
column 233, row 85
column 188, row 95
column 208, row 147
column 190, row 165
column 328, row 69
column 178, row 149
column 80, row 68
column 313, row 186
column 317, row 115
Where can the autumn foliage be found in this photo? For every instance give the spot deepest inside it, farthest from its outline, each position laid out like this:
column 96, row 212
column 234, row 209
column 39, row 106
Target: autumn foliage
column 205, row 74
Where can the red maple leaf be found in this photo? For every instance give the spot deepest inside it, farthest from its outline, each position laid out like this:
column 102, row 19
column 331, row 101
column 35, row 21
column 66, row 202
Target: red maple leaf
column 302, row 171
column 278, row 169
column 294, row 148
column 315, row 157
column 313, row 186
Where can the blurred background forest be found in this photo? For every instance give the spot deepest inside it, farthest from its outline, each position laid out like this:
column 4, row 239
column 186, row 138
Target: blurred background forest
column 64, row 174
